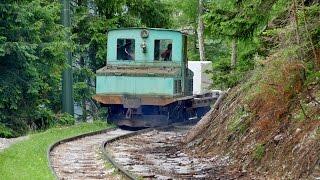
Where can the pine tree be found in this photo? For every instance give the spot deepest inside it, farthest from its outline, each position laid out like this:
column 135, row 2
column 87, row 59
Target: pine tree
column 31, row 63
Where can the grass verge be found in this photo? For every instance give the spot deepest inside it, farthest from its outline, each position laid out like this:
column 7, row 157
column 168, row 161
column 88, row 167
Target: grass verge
column 28, row 159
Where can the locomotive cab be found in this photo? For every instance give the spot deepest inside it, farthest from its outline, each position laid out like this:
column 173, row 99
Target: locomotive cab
column 145, row 82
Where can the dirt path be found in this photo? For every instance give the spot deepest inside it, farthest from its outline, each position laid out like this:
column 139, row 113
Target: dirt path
column 5, row 143
column 81, row 159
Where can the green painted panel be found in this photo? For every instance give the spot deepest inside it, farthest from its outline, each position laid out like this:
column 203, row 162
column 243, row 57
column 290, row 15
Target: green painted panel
column 134, row 85
column 140, row 57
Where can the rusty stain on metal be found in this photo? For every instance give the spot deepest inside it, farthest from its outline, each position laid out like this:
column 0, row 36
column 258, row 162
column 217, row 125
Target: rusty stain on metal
column 138, row 70
column 108, row 99
column 145, row 100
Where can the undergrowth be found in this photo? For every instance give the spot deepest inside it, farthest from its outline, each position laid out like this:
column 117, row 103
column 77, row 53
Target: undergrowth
column 273, row 118
column 258, row 152
column 239, row 121
column 275, row 91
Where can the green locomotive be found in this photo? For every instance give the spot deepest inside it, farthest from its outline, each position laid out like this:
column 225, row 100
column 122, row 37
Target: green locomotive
column 146, row 81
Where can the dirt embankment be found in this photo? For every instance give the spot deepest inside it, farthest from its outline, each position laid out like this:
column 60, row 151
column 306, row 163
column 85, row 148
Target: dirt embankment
column 269, row 126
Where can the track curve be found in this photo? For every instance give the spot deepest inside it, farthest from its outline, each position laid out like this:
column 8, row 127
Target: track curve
column 156, row 153
column 80, row 157
column 84, row 156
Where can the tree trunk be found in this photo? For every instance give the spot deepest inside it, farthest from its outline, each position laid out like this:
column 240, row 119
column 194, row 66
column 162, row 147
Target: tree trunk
column 234, row 53
column 83, row 101
column 84, row 110
column 200, row 31
column 315, row 54
column 206, row 120
column 195, row 50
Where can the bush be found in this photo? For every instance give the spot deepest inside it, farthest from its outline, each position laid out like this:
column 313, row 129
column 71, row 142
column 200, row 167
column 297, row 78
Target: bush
column 223, row 76
column 4, row 131
column 65, row 119
column 100, row 114
column 43, row 119
column 311, row 75
column 17, row 127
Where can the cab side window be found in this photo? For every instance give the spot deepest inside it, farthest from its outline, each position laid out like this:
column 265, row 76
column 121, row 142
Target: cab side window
column 163, row 50
column 125, row 49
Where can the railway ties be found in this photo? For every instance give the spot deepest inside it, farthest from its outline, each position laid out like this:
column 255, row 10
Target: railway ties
column 148, row 154
column 80, row 158
column 158, row 154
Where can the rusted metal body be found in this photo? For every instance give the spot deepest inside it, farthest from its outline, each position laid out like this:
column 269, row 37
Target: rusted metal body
column 144, row 100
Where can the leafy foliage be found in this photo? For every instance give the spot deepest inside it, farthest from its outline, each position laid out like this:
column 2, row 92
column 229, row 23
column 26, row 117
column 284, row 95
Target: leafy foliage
column 5, row 131
column 65, row 120
column 240, row 19
column 225, row 76
column 31, row 61
column 32, row 46
column 32, row 55
column 243, row 21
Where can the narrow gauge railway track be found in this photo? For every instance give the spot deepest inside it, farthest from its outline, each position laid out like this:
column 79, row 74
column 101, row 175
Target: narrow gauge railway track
column 83, row 157
column 111, row 159
column 80, row 157
column 157, row 154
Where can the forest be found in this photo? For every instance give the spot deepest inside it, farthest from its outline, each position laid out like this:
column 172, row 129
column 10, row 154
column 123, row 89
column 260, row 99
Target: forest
column 265, row 57
column 238, row 36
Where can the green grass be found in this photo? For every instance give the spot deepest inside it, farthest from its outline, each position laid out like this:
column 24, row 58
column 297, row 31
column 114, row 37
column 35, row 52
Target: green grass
column 28, row 159
column 259, row 151
column 238, row 121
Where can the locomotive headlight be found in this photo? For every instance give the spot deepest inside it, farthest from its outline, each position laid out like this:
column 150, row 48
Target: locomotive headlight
column 144, row 47
column 144, row 33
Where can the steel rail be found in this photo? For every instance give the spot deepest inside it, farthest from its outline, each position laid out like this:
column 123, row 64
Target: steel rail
column 118, row 166
column 69, row 139
column 108, row 157
column 105, row 153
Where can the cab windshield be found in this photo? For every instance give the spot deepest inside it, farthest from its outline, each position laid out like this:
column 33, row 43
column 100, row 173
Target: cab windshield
column 125, row 49
column 163, row 50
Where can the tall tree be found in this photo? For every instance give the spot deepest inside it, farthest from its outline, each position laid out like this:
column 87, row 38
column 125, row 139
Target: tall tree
column 201, row 31
column 188, row 16
column 31, row 62
column 237, row 20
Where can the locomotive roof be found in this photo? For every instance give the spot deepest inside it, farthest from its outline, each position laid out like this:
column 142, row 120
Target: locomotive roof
column 157, row 29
